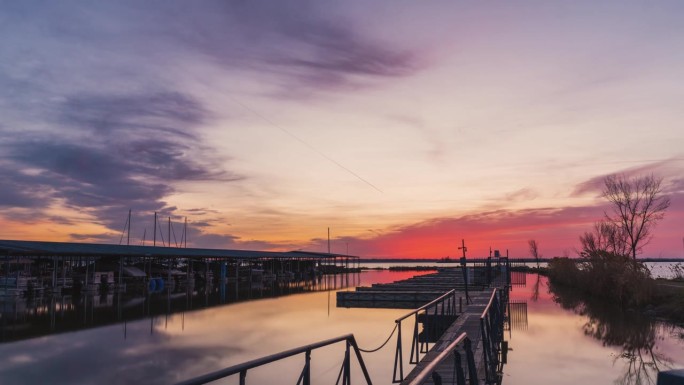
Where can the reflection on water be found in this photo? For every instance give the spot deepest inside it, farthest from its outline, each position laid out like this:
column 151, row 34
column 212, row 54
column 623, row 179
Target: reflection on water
column 565, row 341
column 632, row 332
column 163, row 348
column 573, row 340
column 29, row 317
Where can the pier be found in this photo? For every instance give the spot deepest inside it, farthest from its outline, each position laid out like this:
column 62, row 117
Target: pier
column 416, row 291
column 31, row 267
column 457, row 337
column 48, row 287
column 458, row 323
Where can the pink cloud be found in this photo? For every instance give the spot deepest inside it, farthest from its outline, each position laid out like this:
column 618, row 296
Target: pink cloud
column 556, row 230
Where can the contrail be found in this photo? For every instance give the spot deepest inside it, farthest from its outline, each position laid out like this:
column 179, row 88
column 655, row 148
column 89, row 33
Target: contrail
column 309, row 146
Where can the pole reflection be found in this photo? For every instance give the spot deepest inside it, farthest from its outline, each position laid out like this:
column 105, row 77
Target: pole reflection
column 32, row 316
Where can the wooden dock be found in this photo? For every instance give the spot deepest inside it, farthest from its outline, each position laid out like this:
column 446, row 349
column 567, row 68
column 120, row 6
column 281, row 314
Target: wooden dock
column 448, row 319
column 413, row 292
column 467, row 322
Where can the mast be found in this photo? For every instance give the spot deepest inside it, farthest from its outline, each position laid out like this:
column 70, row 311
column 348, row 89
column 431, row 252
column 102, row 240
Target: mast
column 128, row 240
column 463, row 247
column 154, row 243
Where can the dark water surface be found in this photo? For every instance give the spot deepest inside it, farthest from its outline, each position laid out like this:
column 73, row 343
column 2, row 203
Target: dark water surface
column 555, row 340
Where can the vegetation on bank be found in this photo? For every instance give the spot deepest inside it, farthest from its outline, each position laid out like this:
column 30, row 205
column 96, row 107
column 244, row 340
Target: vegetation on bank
column 621, row 281
column 613, row 277
column 608, row 269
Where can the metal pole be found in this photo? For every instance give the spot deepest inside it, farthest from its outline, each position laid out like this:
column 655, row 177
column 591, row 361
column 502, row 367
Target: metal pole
column 347, row 366
column 128, row 240
column 307, row 368
column 155, row 229
column 398, row 357
column 86, row 275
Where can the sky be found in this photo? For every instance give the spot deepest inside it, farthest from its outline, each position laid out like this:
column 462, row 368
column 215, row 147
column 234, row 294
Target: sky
column 403, row 127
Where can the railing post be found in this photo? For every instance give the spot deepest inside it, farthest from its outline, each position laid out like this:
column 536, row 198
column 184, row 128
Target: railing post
column 415, row 342
column 307, row 367
column 508, row 271
column 364, row 370
column 398, row 358
column 465, row 278
column 458, row 368
column 243, row 377
column 472, row 370
column 436, row 378
column 489, row 270
column 485, row 348
column 347, row 366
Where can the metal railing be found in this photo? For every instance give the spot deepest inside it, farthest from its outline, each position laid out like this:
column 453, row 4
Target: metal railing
column 493, row 350
column 492, row 332
column 434, row 315
column 460, row 345
column 305, row 376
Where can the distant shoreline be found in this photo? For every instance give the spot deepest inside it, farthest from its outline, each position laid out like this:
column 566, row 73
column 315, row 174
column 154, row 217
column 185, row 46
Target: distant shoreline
column 513, row 260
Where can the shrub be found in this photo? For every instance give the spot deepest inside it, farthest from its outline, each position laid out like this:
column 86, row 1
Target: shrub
column 606, row 275
column 564, row 271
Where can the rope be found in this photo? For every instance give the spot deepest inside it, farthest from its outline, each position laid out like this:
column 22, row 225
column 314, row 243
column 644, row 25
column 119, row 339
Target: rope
column 383, row 344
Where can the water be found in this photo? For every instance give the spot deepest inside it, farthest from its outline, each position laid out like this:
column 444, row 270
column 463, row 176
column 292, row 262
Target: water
column 567, row 342
column 169, row 348
column 551, row 344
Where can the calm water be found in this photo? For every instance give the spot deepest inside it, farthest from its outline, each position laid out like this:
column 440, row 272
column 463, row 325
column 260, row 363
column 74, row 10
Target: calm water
column 553, row 342
column 565, row 341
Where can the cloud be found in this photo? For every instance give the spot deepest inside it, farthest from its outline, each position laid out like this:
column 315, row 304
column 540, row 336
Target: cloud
column 668, row 169
column 298, row 44
column 556, row 229
column 523, row 194
column 115, row 152
column 332, row 55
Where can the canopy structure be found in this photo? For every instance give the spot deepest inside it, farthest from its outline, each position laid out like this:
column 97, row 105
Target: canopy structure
column 69, row 249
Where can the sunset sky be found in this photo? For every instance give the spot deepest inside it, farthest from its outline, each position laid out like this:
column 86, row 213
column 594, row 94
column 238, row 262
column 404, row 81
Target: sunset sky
column 402, row 126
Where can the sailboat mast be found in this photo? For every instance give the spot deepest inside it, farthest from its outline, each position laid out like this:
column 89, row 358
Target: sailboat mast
column 128, row 240
column 154, row 243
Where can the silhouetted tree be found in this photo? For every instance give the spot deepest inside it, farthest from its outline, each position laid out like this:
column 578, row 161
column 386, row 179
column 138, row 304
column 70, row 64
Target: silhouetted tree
column 606, row 236
column 534, row 250
column 637, row 206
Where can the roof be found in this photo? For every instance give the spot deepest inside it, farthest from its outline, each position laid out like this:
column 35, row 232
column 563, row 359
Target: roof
column 39, row 248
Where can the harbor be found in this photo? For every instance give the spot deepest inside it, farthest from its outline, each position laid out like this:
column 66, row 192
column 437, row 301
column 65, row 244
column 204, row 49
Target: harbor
column 439, row 329
column 195, row 340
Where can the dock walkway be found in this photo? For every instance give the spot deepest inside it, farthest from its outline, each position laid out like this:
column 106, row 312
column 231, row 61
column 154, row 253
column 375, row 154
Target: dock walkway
column 467, row 322
column 449, row 320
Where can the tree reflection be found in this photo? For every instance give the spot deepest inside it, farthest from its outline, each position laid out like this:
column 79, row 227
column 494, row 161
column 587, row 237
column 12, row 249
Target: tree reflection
column 632, row 331
column 535, row 289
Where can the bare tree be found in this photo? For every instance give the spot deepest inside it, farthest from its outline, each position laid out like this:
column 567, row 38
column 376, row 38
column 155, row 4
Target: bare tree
column 606, row 236
column 534, row 250
column 637, row 206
